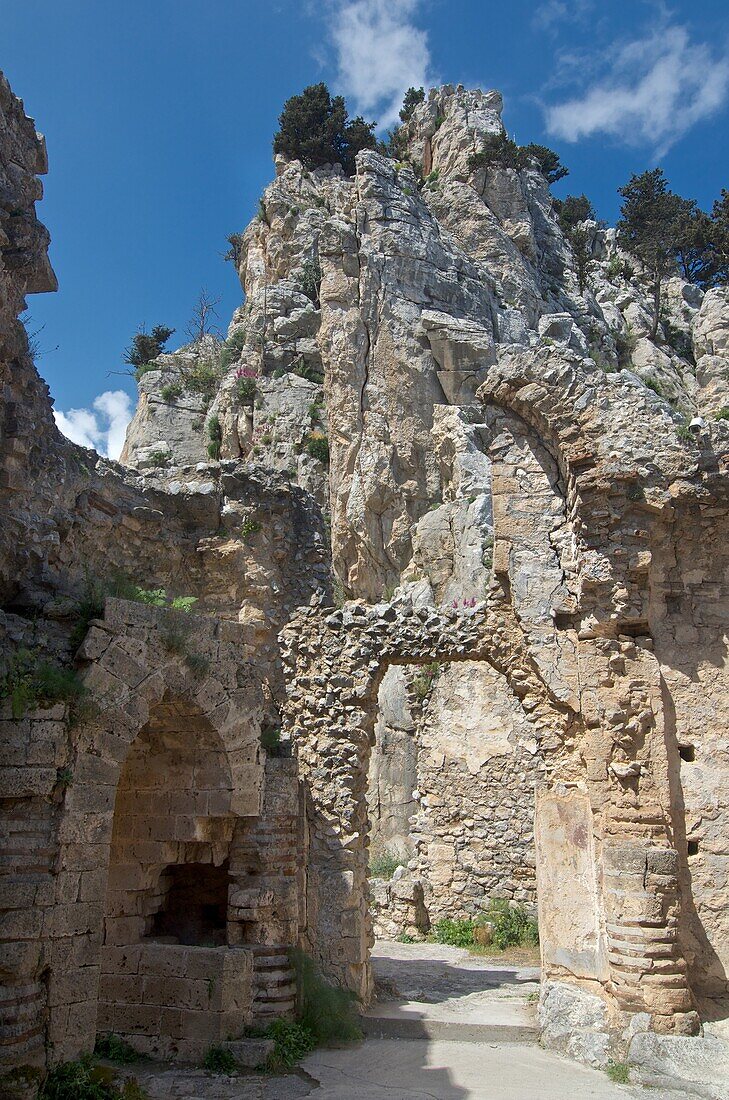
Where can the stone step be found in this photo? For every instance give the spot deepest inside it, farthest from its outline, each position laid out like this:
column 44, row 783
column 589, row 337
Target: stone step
column 249, row 1053
column 267, row 950
column 393, row 1027
column 275, row 993
column 272, row 979
column 275, row 996
column 266, row 1013
column 271, row 962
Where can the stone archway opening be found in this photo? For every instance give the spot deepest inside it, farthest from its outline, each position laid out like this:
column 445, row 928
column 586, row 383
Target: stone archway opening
column 452, row 777
column 172, row 826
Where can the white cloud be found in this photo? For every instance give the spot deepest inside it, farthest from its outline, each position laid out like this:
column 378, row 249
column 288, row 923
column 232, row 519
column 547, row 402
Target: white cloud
column 552, row 12
column 380, row 54
column 653, row 90
column 104, row 427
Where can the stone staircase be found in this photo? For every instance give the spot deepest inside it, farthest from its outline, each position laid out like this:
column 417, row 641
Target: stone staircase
column 274, row 984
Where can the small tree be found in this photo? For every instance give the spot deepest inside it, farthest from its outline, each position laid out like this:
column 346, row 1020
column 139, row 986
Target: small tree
column 695, row 246
column 397, row 142
column 201, row 323
column 234, row 252
column 573, row 210
column 579, row 238
column 497, row 151
column 358, row 135
column 413, row 96
column 548, row 162
column 720, row 238
column 314, row 128
column 310, row 280
column 649, row 228
column 146, row 346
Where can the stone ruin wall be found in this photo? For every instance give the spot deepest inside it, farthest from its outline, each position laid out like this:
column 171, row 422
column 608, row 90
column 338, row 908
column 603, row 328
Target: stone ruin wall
column 480, row 458
column 167, row 771
column 608, row 797
column 70, row 516
column 466, row 831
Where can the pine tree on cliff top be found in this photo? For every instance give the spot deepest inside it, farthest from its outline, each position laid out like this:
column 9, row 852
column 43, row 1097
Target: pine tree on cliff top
column 649, row 228
column 314, row 127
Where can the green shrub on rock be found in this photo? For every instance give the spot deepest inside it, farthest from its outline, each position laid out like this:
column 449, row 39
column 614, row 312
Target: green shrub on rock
column 219, row 1060
column 317, row 445
column 80, row 1080
column 327, row 1011
column 233, row 348
column 293, row 1042
column 384, row 864
column 116, row 1049
column 215, row 435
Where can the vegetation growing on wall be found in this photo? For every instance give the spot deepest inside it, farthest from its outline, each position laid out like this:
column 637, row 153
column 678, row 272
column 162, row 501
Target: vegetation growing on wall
column 30, row 681
column 91, row 604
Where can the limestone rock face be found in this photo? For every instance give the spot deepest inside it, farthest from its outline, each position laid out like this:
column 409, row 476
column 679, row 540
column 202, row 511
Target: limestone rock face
column 164, row 430
column 399, row 297
column 711, row 345
column 448, row 125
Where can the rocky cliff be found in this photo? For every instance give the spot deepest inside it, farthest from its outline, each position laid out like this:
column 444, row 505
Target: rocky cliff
column 375, row 307
column 389, row 313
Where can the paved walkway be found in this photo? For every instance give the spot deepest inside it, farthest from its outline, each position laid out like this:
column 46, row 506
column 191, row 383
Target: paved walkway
column 447, row 1025
column 452, row 1026
column 430, row 991
column 396, row 1069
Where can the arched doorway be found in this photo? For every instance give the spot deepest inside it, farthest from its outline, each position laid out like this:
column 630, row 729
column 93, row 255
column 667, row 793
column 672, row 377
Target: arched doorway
column 169, row 980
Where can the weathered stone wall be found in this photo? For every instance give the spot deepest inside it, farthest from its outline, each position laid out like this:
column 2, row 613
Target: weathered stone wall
column 479, row 766
column 392, row 781
column 689, row 608
column 163, row 768
column 474, row 764
column 619, row 753
column 27, row 432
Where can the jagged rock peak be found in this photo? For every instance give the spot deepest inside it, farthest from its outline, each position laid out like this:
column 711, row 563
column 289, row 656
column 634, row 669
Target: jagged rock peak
column 450, row 124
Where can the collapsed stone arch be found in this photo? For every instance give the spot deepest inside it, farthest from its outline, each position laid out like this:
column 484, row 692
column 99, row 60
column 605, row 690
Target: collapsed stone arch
column 616, row 469
column 606, row 797
column 337, row 662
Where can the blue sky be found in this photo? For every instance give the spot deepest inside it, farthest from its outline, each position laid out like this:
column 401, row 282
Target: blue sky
column 159, row 114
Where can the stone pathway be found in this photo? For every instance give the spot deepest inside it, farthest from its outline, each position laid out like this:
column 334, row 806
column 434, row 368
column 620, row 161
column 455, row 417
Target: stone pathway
column 447, row 1025
column 430, row 991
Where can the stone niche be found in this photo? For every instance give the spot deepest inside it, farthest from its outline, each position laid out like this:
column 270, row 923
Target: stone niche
column 170, row 981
